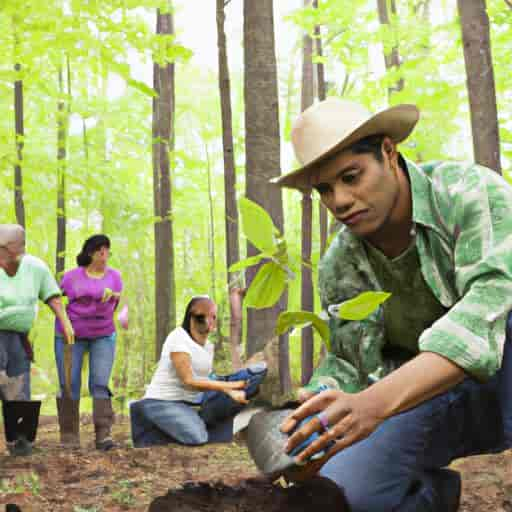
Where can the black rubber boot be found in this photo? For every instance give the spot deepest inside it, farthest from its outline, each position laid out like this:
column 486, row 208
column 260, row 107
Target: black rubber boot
column 103, row 419
column 21, row 418
column 69, row 421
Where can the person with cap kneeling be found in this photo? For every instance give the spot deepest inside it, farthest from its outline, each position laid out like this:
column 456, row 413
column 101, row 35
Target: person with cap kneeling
column 24, row 279
column 438, row 237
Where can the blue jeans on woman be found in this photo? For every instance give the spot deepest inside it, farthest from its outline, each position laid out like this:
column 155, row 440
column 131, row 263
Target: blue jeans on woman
column 397, row 468
column 156, row 421
column 101, row 359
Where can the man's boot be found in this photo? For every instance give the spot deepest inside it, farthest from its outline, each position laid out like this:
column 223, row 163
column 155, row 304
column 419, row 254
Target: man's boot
column 103, row 418
column 21, row 418
column 69, row 421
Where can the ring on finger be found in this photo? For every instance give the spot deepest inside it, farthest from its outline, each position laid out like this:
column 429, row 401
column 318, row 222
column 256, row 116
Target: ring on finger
column 324, row 422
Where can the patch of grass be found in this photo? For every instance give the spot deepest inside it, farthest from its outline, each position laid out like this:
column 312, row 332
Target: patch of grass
column 123, row 495
column 21, row 484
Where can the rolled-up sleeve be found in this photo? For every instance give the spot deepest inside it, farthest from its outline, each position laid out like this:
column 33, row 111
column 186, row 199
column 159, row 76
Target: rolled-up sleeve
column 472, row 332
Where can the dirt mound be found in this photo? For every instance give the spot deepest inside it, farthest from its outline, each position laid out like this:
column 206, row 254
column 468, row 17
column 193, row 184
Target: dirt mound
column 318, row 494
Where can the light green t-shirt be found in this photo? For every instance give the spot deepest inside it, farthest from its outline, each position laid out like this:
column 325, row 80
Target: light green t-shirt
column 19, row 293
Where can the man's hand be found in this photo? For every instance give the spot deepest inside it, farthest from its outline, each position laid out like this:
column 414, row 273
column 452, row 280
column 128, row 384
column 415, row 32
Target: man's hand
column 68, row 332
column 303, row 395
column 55, row 304
column 351, row 417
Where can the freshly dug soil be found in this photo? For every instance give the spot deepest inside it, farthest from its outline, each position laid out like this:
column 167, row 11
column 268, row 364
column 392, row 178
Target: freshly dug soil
column 254, row 494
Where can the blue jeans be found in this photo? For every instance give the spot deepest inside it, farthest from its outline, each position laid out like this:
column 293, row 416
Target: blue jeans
column 101, row 359
column 167, row 421
column 394, row 468
column 14, row 367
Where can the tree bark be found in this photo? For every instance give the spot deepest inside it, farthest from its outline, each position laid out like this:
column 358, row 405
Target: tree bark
column 262, row 155
column 62, row 129
column 236, row 296
column 211, row 230
column 307, row 219
column 163, row 145
column 231, row 209
column 85, row 142
column 392, row 58
column 480, row 82
column 322, row 94
column 19, row 204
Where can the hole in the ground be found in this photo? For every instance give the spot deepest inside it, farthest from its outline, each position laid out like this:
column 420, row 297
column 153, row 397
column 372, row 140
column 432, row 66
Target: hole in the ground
column 317, row 495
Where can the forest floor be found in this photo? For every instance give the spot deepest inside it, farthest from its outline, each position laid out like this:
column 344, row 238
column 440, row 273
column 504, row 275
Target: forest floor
column 85, row 480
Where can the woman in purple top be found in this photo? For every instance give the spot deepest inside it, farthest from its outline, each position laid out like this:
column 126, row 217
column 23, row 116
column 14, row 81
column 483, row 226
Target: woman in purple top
column 93, row 290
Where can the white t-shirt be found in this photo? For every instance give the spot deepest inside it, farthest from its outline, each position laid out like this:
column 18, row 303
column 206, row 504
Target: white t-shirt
column 165, row 384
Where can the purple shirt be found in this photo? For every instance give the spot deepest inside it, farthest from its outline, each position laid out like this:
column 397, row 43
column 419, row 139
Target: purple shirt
column 89, row 315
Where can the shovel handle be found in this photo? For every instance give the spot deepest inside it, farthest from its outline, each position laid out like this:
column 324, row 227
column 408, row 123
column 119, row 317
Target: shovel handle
column 68, row 358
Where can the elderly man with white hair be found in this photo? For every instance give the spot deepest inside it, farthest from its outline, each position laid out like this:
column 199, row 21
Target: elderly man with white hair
column 24, row 279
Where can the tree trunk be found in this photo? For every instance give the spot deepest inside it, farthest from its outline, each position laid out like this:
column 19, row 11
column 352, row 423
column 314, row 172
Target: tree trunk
column 126, row 338
column 262, row 154
column 85, row 142
column 62, row 128
column 211, row 229
column 480, row 82
column 236, row 296
column 232, row 248
column 163, row 145
column 19, row 204
column 307, row 219
column 322, row 94
column 392, row 58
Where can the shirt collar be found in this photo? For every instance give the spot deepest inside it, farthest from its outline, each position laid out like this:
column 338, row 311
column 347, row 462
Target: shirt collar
column 421, row 194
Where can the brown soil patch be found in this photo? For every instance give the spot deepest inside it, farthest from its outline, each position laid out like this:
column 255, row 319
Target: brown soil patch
column 85, row 480
column 318, row 494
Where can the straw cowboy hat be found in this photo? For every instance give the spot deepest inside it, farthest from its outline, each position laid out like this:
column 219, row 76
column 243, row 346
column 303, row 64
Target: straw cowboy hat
column 332, row 125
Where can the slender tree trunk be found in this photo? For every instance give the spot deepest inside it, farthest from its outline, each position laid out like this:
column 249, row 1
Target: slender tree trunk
column 85, row 142
column 126, row 359
column 263, row 155
column 163, row 145
column 322, row 94
column 391, row 58
column 19, row 204
column 236, row 296
column 211, row 229
column 232, row 248
column 141, row 317
column 480, row 82
column 62, row 128
column 307, row 218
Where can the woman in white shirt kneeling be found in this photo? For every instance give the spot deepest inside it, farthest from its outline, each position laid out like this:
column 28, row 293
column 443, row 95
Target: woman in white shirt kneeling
column 183, row 403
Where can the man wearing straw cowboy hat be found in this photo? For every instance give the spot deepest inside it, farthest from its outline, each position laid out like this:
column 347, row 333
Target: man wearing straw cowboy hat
column 438, row 237
column 24, row 279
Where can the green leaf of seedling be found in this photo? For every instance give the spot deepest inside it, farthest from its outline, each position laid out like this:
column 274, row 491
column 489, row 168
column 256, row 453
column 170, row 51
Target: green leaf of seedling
column 266, row 287
column 257, row 225
column 363, row 305
column 291, row 319
column 247, row 262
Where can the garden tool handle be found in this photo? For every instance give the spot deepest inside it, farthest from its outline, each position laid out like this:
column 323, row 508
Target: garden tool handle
column 68, row 359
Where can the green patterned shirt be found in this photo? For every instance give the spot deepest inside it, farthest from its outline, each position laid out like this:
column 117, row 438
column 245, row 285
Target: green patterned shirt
column 464, row 242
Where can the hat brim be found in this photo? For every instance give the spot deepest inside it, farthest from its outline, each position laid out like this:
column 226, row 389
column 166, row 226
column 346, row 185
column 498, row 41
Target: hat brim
column 396, row 122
